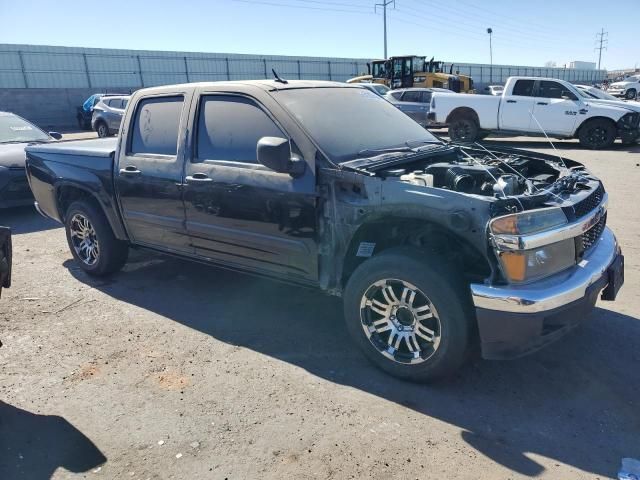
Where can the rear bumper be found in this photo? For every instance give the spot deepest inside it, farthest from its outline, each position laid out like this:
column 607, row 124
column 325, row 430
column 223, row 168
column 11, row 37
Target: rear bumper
column 517, row 320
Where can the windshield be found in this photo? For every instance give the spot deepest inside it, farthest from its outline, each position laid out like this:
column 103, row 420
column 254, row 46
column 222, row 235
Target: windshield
column 595, row 93
column 16, row 129
column 345, row 121
column 381, row 89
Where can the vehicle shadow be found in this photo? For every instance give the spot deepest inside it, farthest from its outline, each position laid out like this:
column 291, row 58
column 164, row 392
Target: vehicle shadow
column 575, row 401
column 25, row 220
column 33, row 446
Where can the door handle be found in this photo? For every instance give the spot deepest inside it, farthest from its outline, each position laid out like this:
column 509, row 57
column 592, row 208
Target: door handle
column 199, row 178
column 130, row 170
column 512, row 101
column 543, row 103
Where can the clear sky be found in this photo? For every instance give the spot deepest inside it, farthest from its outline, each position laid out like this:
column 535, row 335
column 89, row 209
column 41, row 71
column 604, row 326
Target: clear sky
column 525, row 32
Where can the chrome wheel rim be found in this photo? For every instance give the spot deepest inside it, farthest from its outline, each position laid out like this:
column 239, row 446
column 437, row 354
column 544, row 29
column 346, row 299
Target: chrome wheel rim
column 102, row 131
column 400, row 321
column 84, row 240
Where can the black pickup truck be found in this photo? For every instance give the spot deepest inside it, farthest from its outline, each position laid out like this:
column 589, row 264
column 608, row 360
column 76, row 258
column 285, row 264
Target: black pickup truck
column 432, row 246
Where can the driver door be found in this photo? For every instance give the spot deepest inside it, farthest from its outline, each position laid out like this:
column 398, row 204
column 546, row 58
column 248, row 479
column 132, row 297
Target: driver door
column 239, row 212
column 556, row 108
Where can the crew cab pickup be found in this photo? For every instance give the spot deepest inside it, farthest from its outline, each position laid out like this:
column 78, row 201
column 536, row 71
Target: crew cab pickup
column 432, row 246
column 534, row 107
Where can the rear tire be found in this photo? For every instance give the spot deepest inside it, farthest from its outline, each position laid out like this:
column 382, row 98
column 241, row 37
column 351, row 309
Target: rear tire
column 418, row 330
column 91, row 240
column 464, row 129
column 102, row 129
column 597, row 134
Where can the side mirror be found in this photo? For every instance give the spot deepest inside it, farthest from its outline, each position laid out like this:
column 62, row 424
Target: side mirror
column 5, row 258
column 55, row 135
column 275, row 153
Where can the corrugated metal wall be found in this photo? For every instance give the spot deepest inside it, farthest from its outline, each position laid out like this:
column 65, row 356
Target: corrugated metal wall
column 41, row 66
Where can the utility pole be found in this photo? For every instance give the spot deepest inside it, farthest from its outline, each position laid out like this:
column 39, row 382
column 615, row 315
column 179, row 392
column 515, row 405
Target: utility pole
column 384, row 5
column 490, row 32
column 602, row 39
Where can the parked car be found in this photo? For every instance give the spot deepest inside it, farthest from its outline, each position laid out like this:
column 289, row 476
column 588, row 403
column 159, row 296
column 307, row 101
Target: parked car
column 495, row 90
column 84, row 113
column 627, row 88
column 414, row 102
column 595, row 95
column 377, row 88
column 107, row 115
column 329, row 186
column 535, row 106
column 5, row 259
column 15, row 134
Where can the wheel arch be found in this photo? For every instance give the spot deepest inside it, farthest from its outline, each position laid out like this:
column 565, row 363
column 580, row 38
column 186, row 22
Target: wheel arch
column 463, row 112
column 591, row 119
column 69, row 192
column 425, row 235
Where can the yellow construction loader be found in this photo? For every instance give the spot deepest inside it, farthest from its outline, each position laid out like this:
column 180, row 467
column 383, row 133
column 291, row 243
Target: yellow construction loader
column 415, row 71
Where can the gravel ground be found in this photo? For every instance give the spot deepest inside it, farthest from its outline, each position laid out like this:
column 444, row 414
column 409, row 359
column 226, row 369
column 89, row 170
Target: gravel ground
column 174, row 370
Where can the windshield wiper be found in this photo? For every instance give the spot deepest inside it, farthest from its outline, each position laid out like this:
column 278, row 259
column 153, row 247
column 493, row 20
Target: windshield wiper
column 417, row 143
column 376, row 151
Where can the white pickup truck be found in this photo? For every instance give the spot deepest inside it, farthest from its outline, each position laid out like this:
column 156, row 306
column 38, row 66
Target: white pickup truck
column 535, row 106
column 628, row 88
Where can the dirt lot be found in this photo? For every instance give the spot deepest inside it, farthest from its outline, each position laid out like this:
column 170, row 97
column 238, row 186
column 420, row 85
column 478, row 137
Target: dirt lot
column 174, row 370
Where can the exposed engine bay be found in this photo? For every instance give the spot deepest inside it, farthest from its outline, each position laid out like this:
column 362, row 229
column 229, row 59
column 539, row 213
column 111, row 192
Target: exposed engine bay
column 516, row 180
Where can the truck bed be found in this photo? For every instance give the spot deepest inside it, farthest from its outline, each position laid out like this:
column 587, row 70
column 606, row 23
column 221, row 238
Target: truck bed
column 98, row 147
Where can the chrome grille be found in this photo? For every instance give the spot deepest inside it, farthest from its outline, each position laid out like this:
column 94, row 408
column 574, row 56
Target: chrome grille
column 591, row 236
column 588, row 204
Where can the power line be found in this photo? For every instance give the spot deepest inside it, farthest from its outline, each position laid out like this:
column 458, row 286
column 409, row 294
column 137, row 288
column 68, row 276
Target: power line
column 384, row 5
column 603, row 39
column 307, row 7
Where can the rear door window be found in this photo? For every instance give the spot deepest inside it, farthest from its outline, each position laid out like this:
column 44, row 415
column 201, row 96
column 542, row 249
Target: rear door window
column 156, row 126
column 523, row 88
column 412, row 96
column 229, row 128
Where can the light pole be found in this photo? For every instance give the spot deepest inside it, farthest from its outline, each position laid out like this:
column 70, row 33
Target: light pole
column 490, row 32
column 384, row 5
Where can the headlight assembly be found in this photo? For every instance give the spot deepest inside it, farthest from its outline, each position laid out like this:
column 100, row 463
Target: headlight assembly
column 528, row 265
column 526, row 223
column 521, row 263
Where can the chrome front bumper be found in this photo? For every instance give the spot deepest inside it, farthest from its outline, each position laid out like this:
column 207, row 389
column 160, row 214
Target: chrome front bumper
column 552, row 292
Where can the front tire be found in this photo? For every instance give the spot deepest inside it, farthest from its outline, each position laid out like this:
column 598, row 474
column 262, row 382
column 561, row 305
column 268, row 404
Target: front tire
column 631, row 94
column 597, row 134
column 410, row 317
column 91, row 240
column 464, row 130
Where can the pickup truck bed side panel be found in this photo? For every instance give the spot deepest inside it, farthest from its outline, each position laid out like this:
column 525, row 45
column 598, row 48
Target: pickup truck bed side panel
column 50, row 172
column 481, row 104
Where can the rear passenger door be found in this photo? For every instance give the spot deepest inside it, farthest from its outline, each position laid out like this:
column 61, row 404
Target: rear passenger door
column 239, row 212
column 149, row 173
column 516, row 107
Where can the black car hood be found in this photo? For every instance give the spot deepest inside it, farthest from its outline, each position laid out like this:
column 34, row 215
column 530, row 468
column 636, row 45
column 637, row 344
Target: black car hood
column 12, row 155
